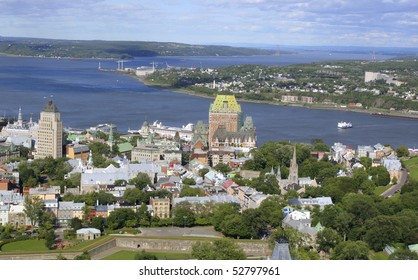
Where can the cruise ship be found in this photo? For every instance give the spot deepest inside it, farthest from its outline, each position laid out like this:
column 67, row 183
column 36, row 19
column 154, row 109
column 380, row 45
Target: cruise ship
column 344, row 125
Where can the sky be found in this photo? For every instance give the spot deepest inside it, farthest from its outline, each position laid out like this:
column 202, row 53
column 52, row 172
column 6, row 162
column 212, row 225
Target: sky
column 378, row 23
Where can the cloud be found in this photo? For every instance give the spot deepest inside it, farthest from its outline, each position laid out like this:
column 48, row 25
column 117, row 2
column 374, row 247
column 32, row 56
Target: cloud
column 199, row 21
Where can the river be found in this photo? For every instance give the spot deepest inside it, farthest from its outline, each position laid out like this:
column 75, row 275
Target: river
column 87, row 97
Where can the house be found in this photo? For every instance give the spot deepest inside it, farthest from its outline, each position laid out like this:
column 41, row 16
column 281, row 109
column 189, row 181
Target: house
column 206, row 199
column 68, row 210
column 88, row 233
column 413, row 248
column 301, row 221
column 393, row 166
column 320, row 201
column 231, row 187
column 6, row 184
column 78, row 151
column 160, row 207
column 17, row 216
column 4, row 214
column 44, row 193
column 102, row 211
column 11, row 197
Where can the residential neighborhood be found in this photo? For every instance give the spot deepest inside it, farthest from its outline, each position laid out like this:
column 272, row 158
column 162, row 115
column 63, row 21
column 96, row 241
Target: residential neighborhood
column 212, row 176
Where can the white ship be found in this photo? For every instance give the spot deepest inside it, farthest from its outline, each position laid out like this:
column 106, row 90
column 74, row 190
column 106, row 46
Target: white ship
column 344, row 125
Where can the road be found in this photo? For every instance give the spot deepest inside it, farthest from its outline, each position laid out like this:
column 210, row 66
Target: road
column 397, row 187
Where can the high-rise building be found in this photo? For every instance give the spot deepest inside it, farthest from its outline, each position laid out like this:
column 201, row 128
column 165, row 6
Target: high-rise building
column 49, row 142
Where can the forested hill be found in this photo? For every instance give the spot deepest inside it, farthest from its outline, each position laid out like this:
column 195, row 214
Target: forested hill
column 115, row 49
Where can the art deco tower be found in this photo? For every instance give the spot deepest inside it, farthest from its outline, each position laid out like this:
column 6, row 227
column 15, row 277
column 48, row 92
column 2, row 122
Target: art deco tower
column 49, row 141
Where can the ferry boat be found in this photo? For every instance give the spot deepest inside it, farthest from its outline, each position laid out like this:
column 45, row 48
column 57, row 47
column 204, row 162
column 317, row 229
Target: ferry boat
column 344, row 125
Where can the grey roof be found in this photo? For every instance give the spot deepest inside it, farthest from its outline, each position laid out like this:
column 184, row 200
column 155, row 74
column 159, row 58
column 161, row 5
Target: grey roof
column 204, row 199
column 5, row 207
column 81, row 148
column 222, row 134
column 88, row 231
column 311, row 201
column 101, row 208
column 50, row 107
column 281, row 251
column 71, row 205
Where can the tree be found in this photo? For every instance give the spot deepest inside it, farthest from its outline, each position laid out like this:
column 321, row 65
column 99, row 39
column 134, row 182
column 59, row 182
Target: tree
column 141, row 180
column 380, row 175
column 145, row 256
column 98, row 222
column 135, row 196
column 76, row 223
column 366, row 162
column 319, row 145
column 222, row 167
column 33, row 209
column 382, row 230
column 221, row 249
column 402, row 151
column 188, row 191
column 183, row 215
column 351, row 250
column 327, row 239
column 50, row 239
column 84, row 256
column 203, row 171
column 189, row 181
column 266, row 184
column 222, row 210
column 403, row 254
column 120, row 217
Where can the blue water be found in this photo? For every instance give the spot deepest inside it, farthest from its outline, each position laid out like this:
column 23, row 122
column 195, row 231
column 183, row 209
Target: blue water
column 87, row 97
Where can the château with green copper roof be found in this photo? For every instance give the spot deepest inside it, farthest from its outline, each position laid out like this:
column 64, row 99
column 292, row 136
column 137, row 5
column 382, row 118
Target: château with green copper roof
column 225, row 104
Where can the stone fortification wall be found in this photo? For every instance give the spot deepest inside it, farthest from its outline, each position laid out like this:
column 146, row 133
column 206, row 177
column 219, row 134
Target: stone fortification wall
column 52, row 256
column 168, row 245
column 106, row 246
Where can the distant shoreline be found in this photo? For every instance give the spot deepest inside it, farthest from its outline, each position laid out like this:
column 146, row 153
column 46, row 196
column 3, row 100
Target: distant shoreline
column 376, row 112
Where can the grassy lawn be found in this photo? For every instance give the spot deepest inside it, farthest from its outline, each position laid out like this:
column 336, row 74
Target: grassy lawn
column 32, row 245
column 129, row 255
column 380, row 190
column 412, row 165
column 378, row 255
column 89, row 244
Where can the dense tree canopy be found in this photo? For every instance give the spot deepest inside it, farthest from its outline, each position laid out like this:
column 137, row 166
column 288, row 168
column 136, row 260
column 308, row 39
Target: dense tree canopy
column 221, row 249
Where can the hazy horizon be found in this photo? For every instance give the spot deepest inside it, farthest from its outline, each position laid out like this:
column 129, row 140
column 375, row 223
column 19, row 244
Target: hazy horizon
column 375, row 23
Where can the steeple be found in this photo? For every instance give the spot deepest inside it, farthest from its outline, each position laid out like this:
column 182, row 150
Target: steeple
column 293, row 170
column 279, row 173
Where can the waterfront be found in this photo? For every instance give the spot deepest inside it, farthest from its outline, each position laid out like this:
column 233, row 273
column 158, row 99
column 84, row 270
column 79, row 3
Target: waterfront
column 87, row 97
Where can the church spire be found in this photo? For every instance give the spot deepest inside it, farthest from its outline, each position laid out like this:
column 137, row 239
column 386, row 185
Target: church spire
column 293, row 170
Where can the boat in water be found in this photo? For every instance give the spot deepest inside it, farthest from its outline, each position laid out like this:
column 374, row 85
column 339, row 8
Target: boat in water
column 344, row 125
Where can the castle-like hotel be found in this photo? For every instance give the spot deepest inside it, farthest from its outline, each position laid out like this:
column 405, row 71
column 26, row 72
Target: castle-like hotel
column 226, row 135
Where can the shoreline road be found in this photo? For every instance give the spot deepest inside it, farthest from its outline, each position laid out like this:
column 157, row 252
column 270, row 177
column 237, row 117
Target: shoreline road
column 397, row 187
